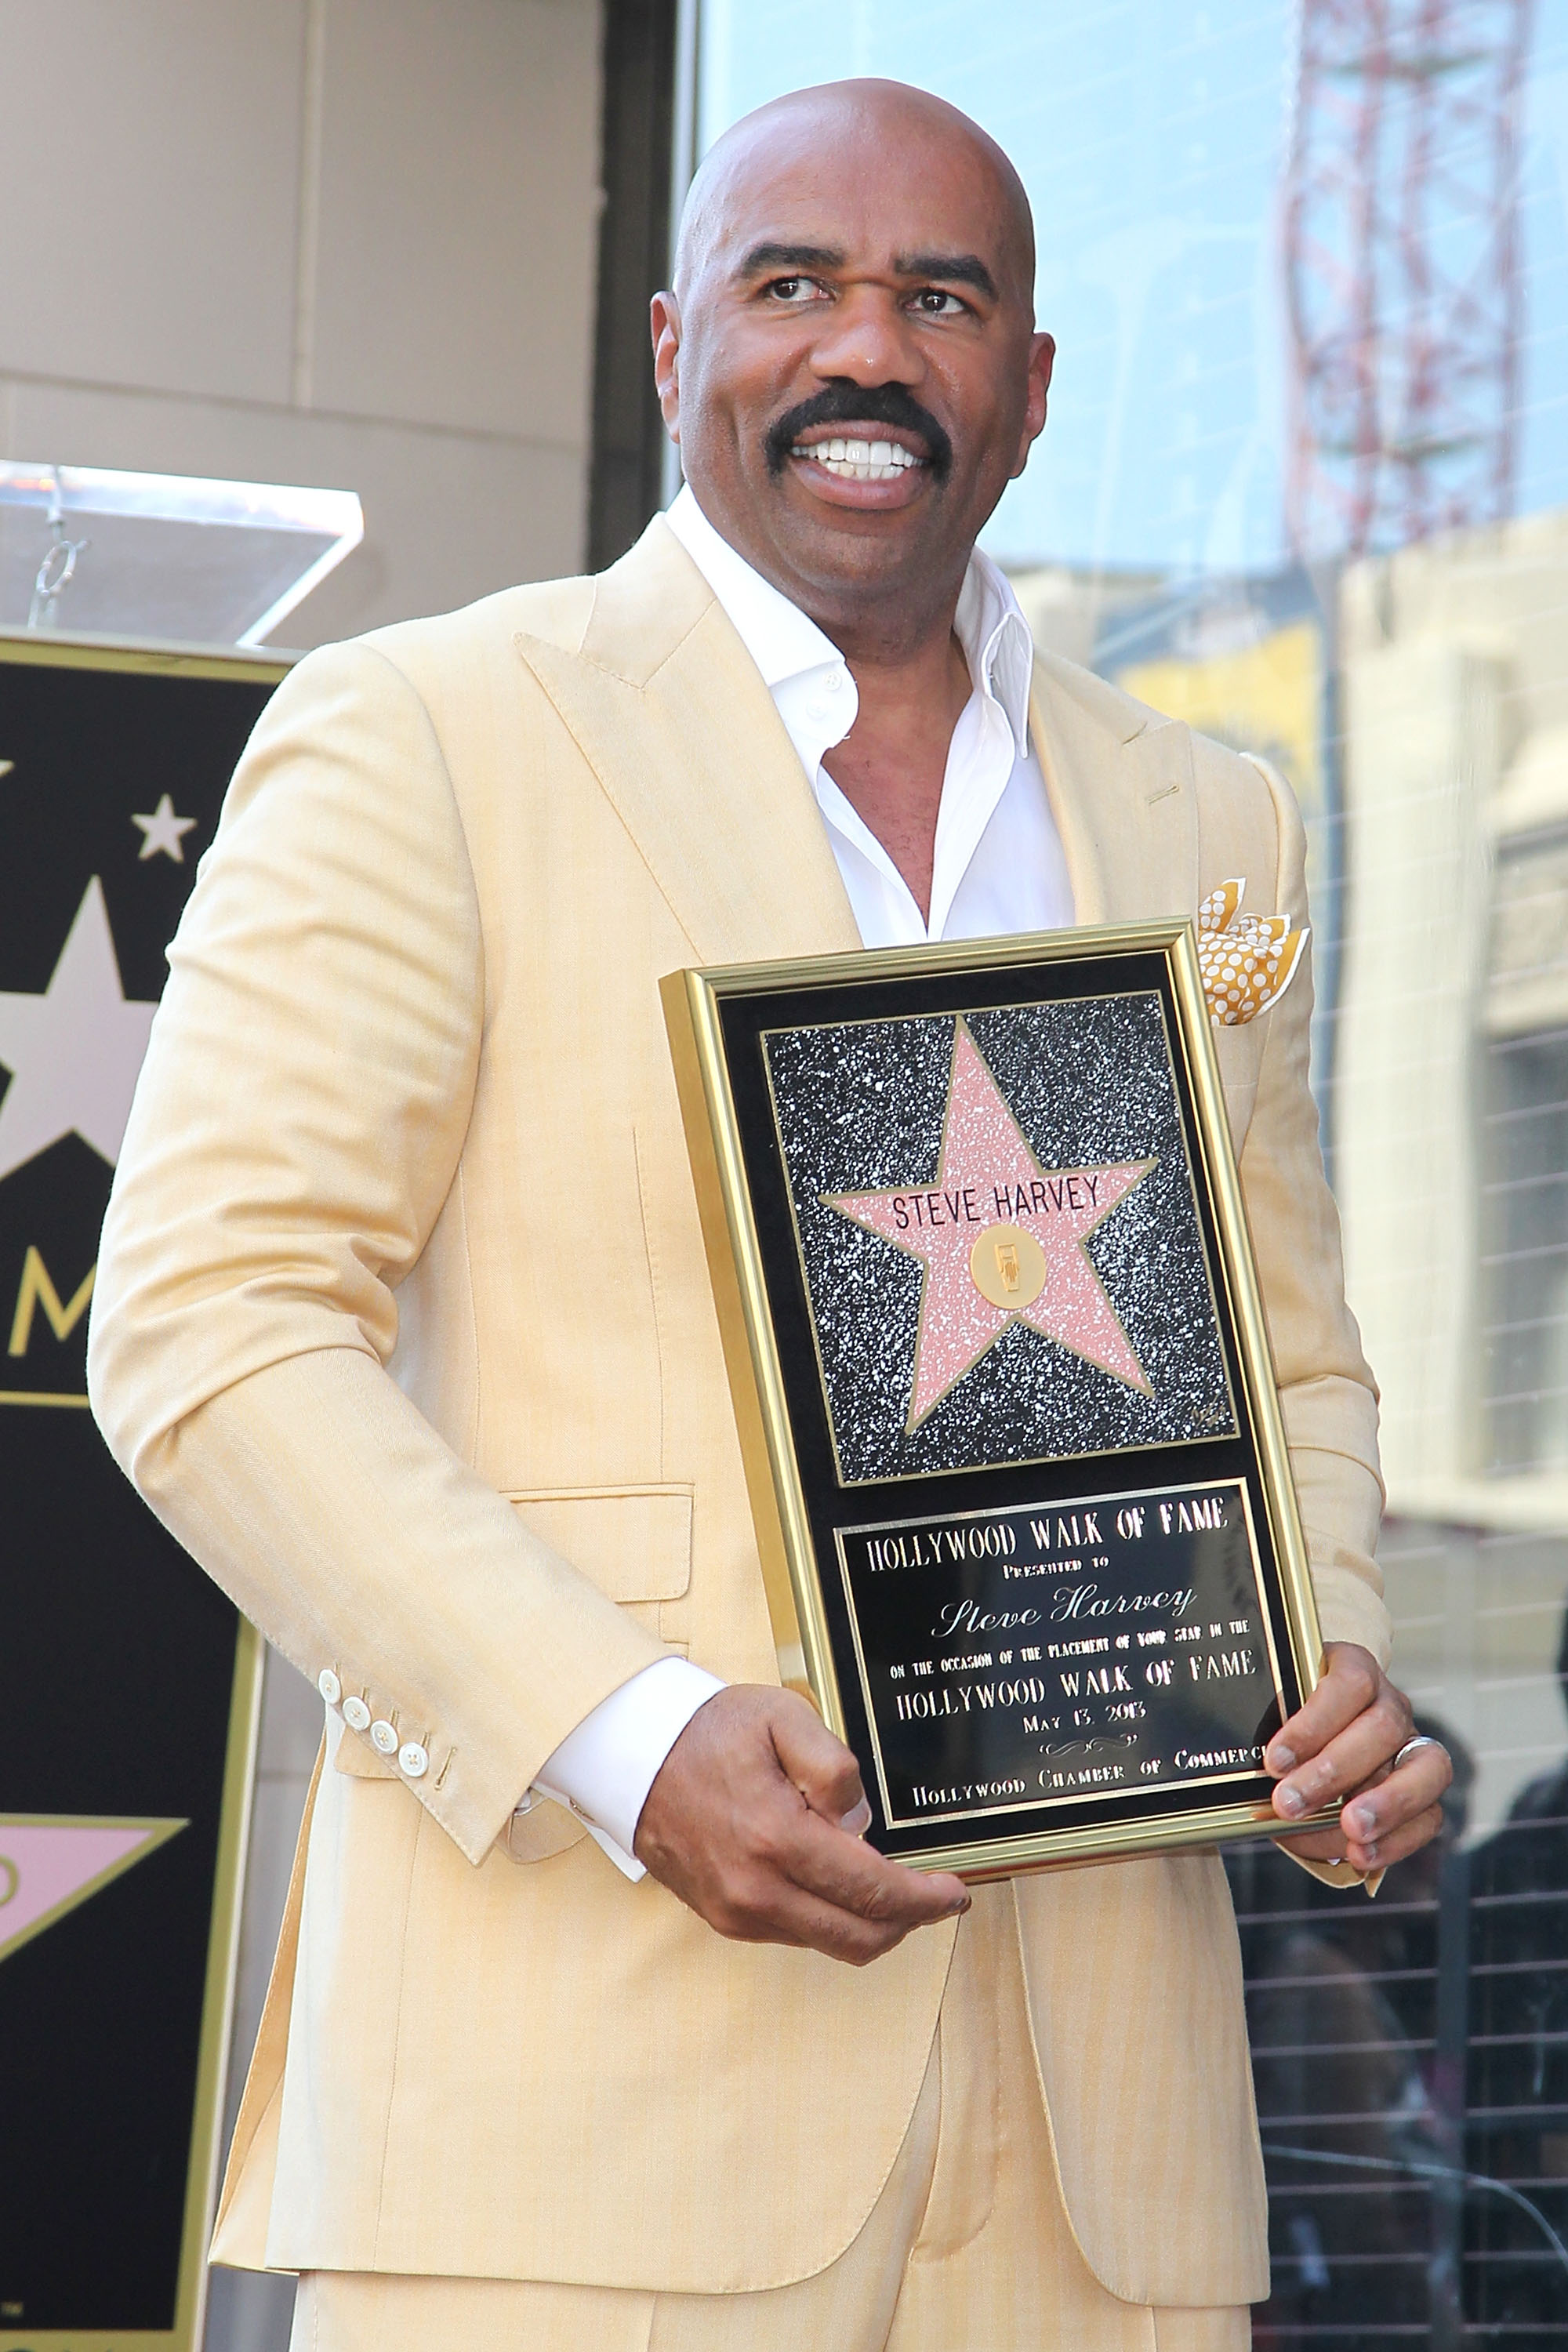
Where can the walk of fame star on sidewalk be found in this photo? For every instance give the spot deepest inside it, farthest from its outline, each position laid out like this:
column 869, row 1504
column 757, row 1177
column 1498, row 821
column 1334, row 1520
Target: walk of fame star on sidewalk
column 1000, row 1240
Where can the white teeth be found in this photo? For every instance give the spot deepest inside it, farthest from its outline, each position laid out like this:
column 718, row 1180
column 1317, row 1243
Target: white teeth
column 859, row 461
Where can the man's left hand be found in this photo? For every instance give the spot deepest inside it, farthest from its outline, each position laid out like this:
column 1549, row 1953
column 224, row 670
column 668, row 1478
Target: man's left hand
column 1341, row 1745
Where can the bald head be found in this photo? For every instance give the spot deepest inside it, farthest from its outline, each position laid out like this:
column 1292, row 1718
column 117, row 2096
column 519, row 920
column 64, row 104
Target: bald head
column 808, row 131
column 848, row 357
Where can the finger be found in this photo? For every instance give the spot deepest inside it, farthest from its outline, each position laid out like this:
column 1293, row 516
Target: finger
column 1348, row 1764
column 1418, row 1785
column 1351, row 1681
column 820, row 1766
column 781, row 1913
column 1349, row 1761
column 823, row 1862
column 1407, row 1839
column 809, row 1883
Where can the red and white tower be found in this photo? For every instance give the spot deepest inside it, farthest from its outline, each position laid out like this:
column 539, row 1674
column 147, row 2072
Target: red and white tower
column 1402, row 268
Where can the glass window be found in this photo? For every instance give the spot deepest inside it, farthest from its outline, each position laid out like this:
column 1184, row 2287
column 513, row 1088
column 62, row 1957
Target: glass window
column 1305, row 485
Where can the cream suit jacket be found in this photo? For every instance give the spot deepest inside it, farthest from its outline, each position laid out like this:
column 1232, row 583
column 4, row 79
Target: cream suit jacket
column 403, row 1325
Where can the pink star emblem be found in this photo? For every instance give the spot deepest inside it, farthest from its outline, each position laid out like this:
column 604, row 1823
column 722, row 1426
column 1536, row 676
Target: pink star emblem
column 1002, row 1241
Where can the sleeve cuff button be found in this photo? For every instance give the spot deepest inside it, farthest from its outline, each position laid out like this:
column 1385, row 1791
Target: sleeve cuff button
column 356, row 1715
column 383, row 1738
column 414, row 1760
column 327, row 1682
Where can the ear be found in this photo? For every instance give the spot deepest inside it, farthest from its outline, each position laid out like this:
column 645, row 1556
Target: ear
column 1042, row 358
column 664, row 322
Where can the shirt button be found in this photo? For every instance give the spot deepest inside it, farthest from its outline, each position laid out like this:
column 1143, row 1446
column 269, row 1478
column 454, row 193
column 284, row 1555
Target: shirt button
column 356, row 1715
column 415, row 1762
column 383, row 1736
column 327, row 1682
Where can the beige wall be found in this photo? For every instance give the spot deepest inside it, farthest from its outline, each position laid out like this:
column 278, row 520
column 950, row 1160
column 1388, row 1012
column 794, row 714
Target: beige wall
column 348, row 243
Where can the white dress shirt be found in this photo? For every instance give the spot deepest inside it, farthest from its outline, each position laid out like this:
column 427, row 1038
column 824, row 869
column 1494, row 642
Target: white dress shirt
column 998, row 866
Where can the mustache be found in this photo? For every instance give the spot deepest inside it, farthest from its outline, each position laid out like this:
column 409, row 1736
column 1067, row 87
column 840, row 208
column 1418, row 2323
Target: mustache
column 843, row 402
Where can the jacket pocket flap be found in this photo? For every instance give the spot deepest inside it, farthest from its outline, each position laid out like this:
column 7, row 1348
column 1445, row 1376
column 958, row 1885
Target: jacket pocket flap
column 633, row 1542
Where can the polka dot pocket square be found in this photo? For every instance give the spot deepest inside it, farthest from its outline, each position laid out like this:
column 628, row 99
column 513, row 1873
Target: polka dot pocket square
column 1246, row 961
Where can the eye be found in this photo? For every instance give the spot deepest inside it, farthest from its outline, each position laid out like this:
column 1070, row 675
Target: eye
column 933, row 302
column 791, row 290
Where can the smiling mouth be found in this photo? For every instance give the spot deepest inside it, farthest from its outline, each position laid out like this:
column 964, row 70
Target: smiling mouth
column 855, row 459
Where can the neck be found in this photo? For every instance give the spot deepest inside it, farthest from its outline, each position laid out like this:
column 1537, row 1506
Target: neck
column 910, row 676
column 891, row 764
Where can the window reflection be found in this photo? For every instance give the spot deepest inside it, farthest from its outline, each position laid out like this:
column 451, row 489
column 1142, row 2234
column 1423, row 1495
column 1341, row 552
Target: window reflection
column 1381, row 609
column 1353, row 2062
column 1525, row 1233
column 1411, row 2054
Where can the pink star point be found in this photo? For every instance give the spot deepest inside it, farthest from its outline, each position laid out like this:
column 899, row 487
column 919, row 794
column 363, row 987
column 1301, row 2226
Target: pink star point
column 989, row 1181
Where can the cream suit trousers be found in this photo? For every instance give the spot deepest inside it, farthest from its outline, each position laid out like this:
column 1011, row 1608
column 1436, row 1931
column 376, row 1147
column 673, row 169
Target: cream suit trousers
column 968, row 2248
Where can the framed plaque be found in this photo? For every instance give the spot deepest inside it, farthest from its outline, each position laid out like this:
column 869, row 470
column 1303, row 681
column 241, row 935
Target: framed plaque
column 1002, row 1384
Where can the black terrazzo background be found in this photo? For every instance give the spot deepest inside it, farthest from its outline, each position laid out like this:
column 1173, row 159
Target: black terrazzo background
column 859, row 1108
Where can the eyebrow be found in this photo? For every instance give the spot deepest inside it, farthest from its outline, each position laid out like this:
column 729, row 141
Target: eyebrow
column 770, row 255
column 963, row 268
column 957, row 268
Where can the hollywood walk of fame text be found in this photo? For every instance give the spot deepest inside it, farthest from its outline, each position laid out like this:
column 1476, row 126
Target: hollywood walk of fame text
column 1021, row 1658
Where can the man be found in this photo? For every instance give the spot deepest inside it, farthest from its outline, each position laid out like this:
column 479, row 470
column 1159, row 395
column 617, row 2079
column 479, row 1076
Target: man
column 403, row 1325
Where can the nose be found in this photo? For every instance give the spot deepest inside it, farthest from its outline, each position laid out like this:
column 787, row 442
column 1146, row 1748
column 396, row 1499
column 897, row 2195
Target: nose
column 866, row 338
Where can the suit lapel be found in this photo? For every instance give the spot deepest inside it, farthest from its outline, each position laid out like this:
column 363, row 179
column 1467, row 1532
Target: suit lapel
column 671, row 714
column 669, row 711
column 1123, row 803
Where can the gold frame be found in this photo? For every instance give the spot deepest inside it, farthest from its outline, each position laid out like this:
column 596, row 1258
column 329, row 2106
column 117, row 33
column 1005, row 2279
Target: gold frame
column 62, row 651
column 693, row 1002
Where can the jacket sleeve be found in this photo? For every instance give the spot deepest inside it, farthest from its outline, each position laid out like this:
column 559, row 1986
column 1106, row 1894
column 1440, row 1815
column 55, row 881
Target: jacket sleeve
column 295, row 1136
column 1327, row 1393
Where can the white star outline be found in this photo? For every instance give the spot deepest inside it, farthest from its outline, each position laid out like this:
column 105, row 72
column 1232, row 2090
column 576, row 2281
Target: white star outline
column 74, row 1053
column 162, row 832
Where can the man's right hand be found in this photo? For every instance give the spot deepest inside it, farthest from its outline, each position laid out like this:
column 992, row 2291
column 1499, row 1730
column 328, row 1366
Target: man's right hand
column 755, row 1819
